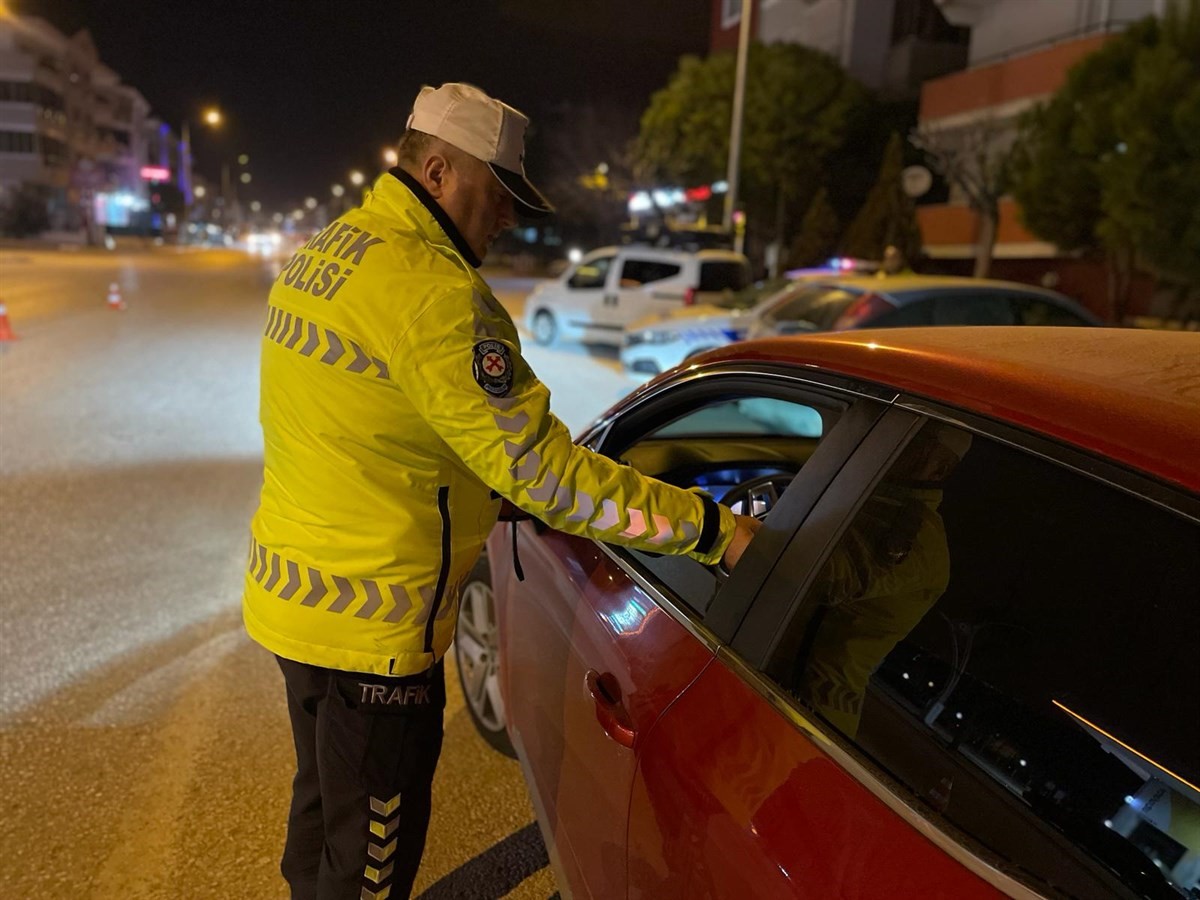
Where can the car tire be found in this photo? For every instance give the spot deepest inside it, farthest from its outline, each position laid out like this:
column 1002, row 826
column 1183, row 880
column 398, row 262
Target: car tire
column 476, row 654
column 545, row 329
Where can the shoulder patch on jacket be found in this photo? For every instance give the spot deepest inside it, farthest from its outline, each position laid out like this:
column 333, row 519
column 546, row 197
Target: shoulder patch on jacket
column 492, row 367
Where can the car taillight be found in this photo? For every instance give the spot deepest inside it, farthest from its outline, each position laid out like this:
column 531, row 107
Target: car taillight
column 689, row 297
column 868, row 306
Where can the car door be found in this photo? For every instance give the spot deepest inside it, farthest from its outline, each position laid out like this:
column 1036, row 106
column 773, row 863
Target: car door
column 592, row 661
column 976, row 644
column 583, row 291
column 642, row 286
column 736, row 796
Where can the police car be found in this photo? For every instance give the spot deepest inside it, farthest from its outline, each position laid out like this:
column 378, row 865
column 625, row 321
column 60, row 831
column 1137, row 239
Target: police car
column 654, row 344
column 812, row 303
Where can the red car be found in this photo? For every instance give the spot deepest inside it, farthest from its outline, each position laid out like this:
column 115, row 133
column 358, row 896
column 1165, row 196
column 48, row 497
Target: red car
column 961, row 659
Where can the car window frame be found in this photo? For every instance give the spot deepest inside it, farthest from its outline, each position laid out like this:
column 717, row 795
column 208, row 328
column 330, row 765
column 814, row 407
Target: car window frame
column 864, row 405
column 759, row 646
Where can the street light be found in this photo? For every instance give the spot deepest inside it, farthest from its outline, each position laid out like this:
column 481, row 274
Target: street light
column 212, row 116
column 243, row 159
column 255, row 206
column 245, row 178
column 356, row 178
column 337, row 190
column 200, row 192
column 310, row 202
column 390, row 156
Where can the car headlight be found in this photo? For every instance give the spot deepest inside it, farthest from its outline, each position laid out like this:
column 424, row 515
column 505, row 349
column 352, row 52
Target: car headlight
column 632, row 339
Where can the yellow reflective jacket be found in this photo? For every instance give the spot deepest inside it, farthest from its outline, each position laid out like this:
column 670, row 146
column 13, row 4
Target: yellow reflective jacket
column 394, row 401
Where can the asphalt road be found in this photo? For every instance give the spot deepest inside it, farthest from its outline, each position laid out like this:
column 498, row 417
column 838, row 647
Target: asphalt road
column 144, row 747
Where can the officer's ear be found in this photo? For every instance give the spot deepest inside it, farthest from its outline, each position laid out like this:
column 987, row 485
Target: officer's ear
column 434, row 174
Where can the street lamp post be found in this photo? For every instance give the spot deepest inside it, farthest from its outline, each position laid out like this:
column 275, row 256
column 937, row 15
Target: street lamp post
column 213, row 119
column 735, row 129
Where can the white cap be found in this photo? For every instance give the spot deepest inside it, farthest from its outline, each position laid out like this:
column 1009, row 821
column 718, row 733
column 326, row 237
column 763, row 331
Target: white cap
column 465, row 117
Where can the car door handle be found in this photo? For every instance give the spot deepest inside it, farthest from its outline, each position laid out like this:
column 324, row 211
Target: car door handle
column 610, row 712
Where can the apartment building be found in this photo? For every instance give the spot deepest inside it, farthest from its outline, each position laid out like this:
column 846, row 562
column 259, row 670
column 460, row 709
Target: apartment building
column 891, row 46
column 1019, row 54
column 71, row 129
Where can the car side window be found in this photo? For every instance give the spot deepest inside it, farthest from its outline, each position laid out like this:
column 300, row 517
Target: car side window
column 741, row 450
column 635, row 272
column 591, row 273
column 1035, row 311
column 973, row 308
column 723, row 275
column 918, row 312
column 1015, row 644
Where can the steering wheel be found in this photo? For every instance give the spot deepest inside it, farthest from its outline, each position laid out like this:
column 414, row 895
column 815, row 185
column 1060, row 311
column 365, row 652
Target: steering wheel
column 757, row 496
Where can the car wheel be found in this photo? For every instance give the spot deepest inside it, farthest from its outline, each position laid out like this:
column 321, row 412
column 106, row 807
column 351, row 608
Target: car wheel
column 476, row 651
column 544, row 328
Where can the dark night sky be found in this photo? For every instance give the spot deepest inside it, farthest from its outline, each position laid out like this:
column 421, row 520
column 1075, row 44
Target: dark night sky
column 313, row 90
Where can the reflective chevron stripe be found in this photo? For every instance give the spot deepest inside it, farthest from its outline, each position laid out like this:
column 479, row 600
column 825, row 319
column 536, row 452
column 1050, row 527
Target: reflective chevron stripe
column 286, row 329
column 382, row 823
column 364, row 598
column 385, row 807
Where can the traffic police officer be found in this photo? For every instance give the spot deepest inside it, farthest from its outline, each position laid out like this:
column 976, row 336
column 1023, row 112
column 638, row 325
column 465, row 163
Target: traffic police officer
column 396, row 410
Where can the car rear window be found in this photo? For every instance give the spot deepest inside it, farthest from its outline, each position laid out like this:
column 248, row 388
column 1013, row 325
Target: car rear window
column 726, row 275
column 820, row 306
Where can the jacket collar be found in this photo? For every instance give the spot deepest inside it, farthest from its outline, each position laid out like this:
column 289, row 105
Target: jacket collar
column 390, row 189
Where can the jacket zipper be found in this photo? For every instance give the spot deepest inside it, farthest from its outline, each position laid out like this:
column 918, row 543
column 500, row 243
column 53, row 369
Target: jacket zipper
column 444, row 574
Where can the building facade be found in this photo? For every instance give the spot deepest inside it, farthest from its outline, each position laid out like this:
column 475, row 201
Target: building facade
column 1020, row 53
column 73, row 134
column 891, row 46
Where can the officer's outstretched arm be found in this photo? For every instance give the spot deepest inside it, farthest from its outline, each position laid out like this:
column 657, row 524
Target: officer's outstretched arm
column 467, row 379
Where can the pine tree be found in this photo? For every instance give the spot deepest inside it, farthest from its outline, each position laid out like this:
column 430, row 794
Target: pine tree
column 887, row 216
column 819, row 233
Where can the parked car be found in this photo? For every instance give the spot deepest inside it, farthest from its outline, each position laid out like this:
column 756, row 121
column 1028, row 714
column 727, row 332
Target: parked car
column 826, row 303
column 594, row 300
column 959, row 661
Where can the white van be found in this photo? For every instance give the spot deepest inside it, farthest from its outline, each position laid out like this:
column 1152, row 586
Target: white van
column 612, row 287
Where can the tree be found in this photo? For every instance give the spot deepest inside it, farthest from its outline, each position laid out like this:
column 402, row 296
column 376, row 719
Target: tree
column 887, row 216
column 797, row 108
column 24, row 212
column 1110, row 165
column 1151, row 177
column 590, row 162
column 819, row 233
column 974, row 159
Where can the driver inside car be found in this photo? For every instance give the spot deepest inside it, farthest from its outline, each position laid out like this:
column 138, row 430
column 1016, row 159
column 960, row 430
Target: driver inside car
column 886, row 573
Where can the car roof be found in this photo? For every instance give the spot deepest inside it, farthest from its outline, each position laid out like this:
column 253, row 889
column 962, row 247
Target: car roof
column 1129, row 395
column 671, row 253
column 899, row 284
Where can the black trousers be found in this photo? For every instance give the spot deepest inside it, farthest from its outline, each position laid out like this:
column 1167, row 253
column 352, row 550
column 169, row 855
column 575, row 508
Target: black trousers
column 366, row 750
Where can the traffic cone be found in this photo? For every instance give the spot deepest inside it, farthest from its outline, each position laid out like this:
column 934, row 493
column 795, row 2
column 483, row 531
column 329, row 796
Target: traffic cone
column 6, row 332
column 114, row 297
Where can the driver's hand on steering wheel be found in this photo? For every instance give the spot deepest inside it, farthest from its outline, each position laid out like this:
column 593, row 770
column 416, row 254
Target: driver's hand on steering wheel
column 747, row 527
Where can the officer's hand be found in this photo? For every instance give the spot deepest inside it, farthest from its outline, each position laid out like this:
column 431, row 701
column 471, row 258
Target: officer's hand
column 747, row 527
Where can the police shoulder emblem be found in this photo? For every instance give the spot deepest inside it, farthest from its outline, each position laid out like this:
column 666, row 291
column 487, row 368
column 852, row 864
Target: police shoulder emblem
column 492, row 367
